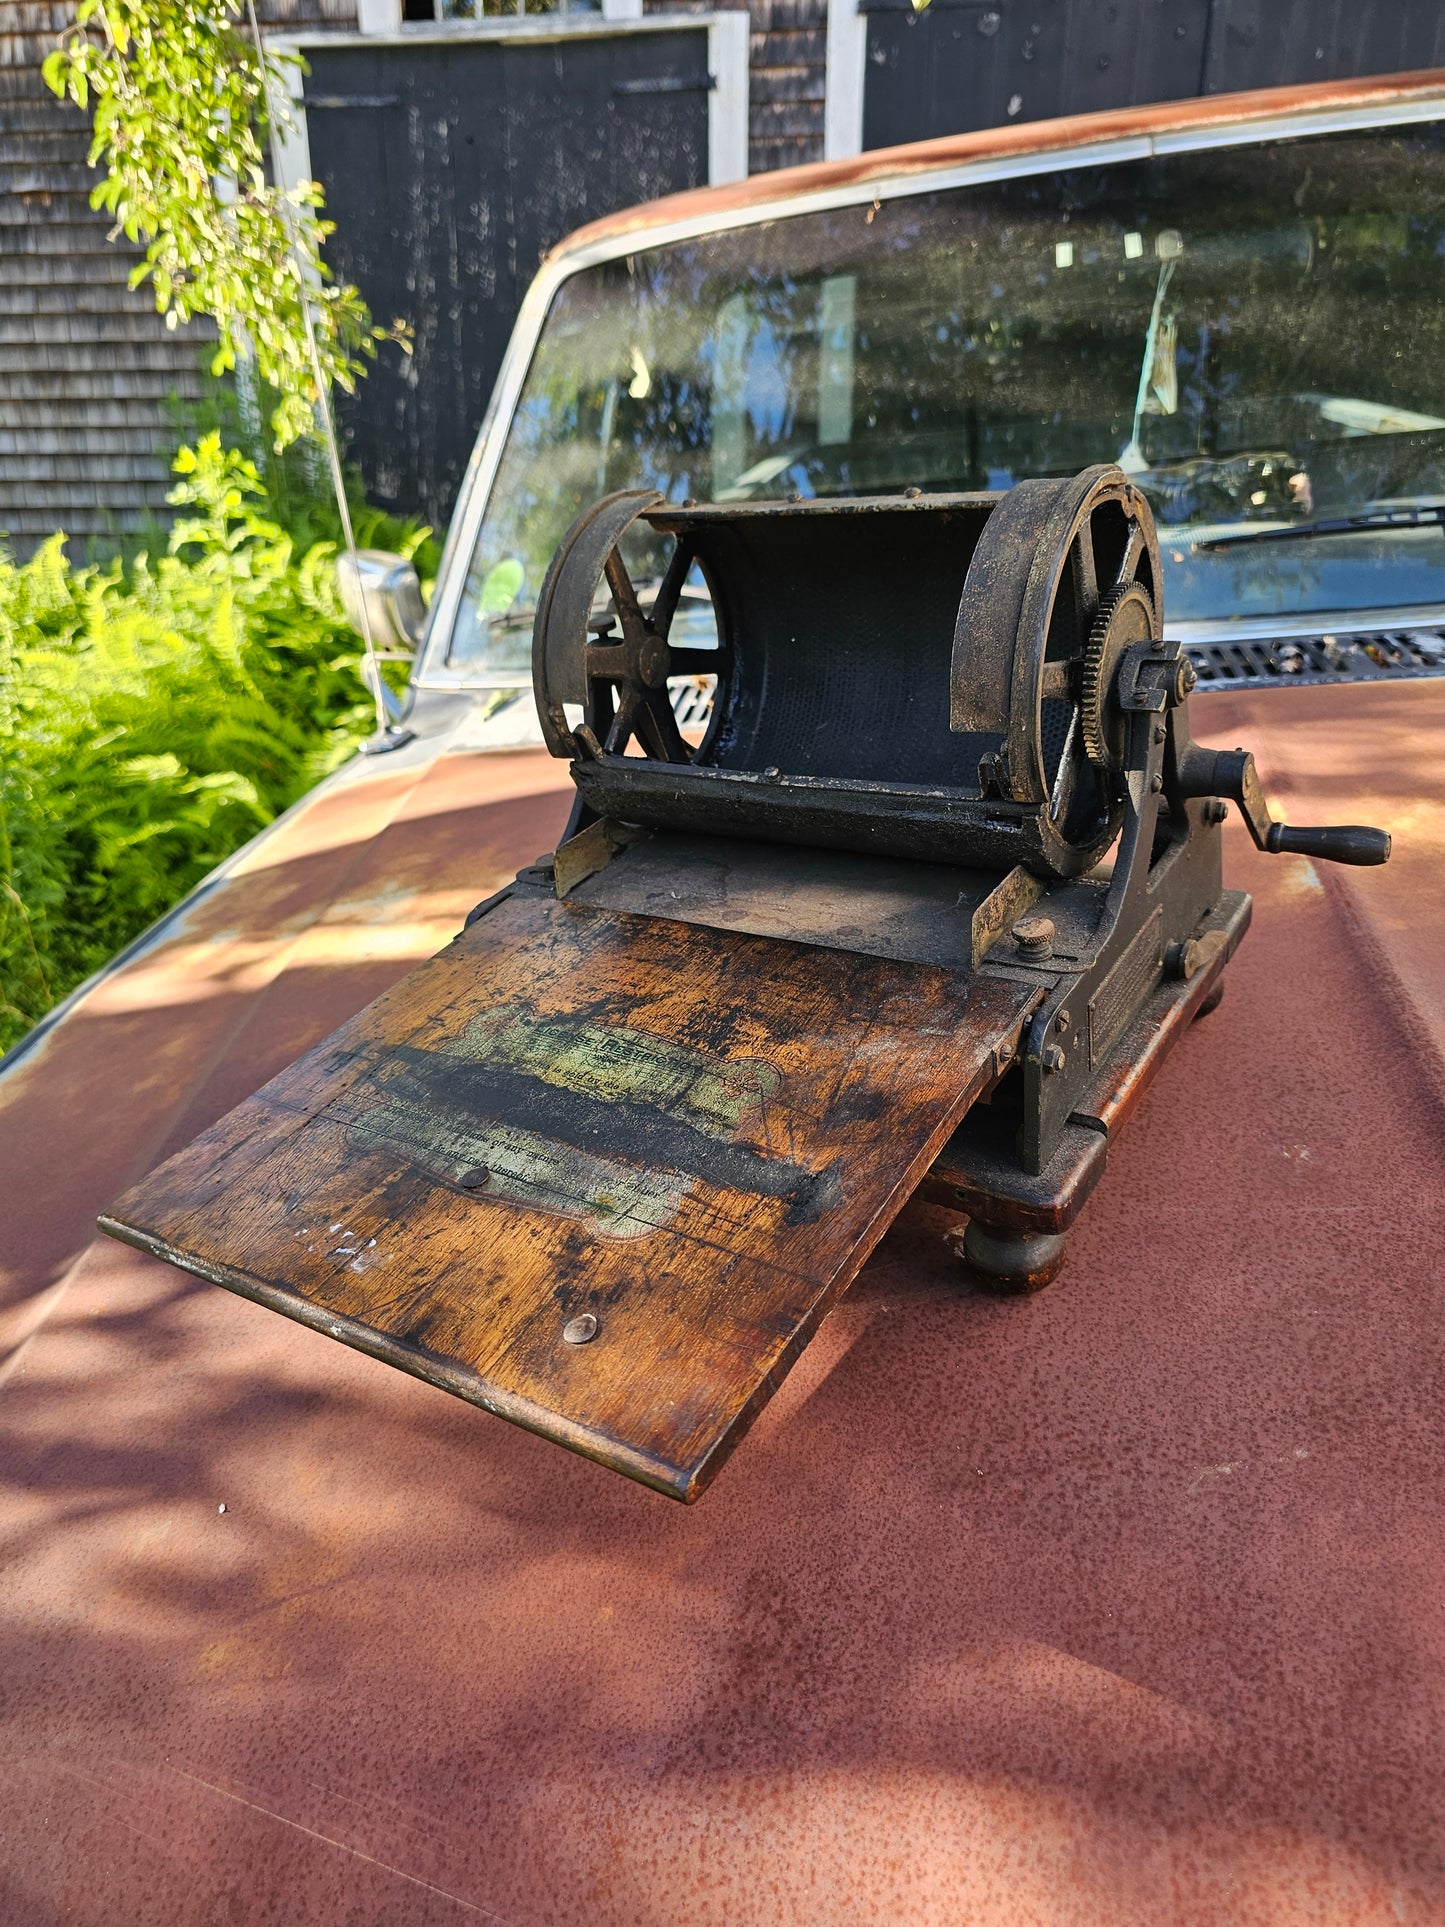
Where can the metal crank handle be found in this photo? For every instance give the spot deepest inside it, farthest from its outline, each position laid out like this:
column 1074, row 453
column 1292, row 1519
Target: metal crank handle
column 1231, row 773
column 1341, row 843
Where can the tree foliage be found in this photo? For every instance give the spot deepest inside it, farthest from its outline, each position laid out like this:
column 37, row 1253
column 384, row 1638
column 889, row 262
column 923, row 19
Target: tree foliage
column 179, row 103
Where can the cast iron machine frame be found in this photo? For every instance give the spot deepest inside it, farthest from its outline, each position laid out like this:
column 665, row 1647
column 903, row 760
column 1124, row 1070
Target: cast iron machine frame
column 976, row 682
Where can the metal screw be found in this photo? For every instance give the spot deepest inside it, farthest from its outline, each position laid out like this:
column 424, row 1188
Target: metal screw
column 1053, row 1059
column 1156, row 784
column 580, row 1330
column 771, row 772
column 1158, row 647
column 1216, row 810
column 1184, row 959
column 1034, row 936
column 474, row 1180
column 1159, row 732
column 1061, row 1022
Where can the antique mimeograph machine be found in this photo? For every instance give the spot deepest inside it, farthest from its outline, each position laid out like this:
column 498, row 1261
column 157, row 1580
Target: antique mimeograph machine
column 602, row 1166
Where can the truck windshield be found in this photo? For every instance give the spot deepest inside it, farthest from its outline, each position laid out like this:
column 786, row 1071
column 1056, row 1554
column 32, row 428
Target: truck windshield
column 1257, row 334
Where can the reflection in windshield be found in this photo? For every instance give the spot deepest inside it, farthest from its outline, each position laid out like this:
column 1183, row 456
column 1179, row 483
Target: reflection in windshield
column 1256, row 334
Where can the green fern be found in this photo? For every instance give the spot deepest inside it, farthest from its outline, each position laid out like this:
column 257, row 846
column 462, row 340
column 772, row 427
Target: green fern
column 154, row 716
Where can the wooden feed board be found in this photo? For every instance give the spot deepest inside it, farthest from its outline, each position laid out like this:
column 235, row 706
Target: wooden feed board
column 696, row 1136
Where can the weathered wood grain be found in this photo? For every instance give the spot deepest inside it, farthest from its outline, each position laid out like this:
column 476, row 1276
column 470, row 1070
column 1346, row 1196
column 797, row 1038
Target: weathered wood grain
column 694, row 1135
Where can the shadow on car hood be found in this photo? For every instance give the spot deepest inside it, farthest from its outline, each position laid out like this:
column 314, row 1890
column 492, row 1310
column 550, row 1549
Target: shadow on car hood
column 1119, row 1604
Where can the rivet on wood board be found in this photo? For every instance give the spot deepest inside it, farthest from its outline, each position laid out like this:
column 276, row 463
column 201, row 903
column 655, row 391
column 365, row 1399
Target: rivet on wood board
column 581, row 1329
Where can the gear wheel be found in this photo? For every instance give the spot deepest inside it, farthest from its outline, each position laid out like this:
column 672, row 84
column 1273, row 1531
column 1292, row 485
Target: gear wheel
column 1126, row 616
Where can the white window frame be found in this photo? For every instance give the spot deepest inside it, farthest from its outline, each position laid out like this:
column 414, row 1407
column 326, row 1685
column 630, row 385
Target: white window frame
column 385, row 16
column 843, row 83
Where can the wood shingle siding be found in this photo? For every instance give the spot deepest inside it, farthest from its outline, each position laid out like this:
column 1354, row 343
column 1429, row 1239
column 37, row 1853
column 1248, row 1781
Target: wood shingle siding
column 90, row 376
column 787, row 74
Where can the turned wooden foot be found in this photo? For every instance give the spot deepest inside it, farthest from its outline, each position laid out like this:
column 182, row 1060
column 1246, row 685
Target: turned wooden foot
column 1012, row 1262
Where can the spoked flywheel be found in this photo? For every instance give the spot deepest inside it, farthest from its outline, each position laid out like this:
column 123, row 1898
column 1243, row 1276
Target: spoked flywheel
column 614, row 663
column 1065, row 578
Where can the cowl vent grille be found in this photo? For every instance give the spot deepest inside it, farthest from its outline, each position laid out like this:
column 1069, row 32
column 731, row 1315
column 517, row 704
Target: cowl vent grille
column 1380, row 657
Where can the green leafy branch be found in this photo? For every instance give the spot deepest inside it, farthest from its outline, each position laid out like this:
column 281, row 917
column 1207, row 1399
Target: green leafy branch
column 179, row 99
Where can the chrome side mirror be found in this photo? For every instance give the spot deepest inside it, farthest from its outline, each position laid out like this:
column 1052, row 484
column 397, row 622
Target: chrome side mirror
column 386, row 587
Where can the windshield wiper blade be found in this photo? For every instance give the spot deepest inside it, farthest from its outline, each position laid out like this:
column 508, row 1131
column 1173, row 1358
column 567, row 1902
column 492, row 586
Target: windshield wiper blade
column 1432, row 516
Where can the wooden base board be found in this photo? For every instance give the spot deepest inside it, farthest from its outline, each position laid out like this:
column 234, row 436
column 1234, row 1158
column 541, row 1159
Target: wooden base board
column 598, row 1173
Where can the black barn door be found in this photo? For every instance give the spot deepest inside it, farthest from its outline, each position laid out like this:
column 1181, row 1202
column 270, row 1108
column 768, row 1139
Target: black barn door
column 963, row 64
column 450, row 169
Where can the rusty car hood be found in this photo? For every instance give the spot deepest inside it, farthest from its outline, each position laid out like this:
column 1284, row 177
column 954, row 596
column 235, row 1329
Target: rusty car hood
column 1120, row 1604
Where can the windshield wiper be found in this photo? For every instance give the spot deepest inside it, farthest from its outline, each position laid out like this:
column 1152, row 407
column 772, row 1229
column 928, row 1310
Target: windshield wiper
column 1432, row 516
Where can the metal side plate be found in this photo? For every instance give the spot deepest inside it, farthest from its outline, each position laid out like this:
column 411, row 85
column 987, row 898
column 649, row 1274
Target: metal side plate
column 883, row 906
